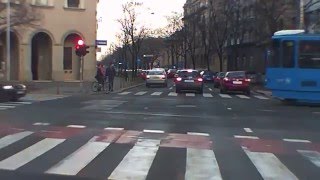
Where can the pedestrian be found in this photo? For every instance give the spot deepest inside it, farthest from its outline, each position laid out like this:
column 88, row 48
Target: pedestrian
column 110, row 74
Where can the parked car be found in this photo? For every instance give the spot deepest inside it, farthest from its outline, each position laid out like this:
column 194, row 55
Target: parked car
column 143, row 74
column 235, row 81
column 9, row 92
column 217, row 79
column 157, row 77
column 208, row 76
column 189, row 79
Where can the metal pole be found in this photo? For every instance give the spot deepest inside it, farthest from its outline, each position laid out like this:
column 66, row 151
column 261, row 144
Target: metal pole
column 301, row 15
column 8, row 41
column 81, row 73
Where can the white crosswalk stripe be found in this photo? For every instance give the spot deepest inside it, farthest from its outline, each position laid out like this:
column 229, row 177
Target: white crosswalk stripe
column 124, row 93
column 269, row 166
column 243, row 97
column 190, row 94
column 141, row 93
column 156, row 94
column 200, row 163
column 208, row 95
column 225, row 96
column 261, row 97
column 74, row 163
column 137, row 162
column 172, row 94
column 29, row 154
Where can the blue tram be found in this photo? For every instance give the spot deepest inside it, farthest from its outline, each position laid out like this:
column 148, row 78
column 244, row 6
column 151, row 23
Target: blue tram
column 293, row 72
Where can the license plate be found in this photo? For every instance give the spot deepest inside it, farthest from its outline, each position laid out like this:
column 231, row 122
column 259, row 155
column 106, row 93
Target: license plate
column 189, row 81
column 237, row 82
column 20, row 92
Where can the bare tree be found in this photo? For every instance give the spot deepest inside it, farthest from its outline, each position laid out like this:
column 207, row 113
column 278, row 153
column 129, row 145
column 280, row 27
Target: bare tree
column 310, row 3
column 22, row 13
column 220, row 12
column 134, row 34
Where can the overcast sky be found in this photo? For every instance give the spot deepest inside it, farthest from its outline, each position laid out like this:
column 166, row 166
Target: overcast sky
column 110, row 10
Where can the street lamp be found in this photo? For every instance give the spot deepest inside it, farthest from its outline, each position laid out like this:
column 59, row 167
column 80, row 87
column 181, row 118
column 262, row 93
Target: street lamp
column 8, row 41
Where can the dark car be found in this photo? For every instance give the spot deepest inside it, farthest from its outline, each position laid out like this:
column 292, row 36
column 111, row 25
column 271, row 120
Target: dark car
column 235, row 81
column 218, row 79
column 171, row 73
column 189, row 80
column 208, row 76
column 10, row 92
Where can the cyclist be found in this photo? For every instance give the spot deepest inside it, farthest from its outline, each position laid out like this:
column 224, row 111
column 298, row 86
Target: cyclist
column 100, row 75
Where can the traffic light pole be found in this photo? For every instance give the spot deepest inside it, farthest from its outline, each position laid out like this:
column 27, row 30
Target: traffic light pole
column 81, row 72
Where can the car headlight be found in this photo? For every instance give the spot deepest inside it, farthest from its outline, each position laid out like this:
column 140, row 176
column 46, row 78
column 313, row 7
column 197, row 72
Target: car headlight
column 8, row 87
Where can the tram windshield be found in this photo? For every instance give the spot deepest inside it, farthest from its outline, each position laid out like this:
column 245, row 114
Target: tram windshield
column 274, row 54
column 309, row 54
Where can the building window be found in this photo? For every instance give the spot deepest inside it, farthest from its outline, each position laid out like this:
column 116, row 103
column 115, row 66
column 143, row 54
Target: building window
column 67, row 59
column 41, row 2
column 73, row 3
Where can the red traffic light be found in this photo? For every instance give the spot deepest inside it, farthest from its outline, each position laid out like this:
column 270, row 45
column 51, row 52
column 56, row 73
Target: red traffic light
column 80, row 42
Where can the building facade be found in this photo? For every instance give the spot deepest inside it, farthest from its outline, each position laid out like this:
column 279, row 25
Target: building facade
column 47, row 51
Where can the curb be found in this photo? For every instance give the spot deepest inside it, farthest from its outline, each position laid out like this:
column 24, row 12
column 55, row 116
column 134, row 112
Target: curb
column 257, row 91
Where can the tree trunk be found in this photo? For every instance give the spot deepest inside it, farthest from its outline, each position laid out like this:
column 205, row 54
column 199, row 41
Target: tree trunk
column 221, row 61
column 172, row 54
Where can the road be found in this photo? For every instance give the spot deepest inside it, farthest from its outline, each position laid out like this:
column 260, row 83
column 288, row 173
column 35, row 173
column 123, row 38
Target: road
column 154, row 133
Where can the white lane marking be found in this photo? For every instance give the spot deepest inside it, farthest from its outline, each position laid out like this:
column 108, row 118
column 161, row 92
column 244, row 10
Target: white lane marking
column 7, row 107
column 124, row 93
column 261, row 97
column 152, row 114
column 76, row 161
column 171, row 88
column 248, row 130
column 210, row 89
column 20, row 103
column 202, row 165
column 29, row 154
column 153, row 131
column 225, row 96
column 243, row 97
column 172, row 94
column 186, row 106
column 312, row 156
column 190, row 94
column 76, row 126
column 141, row 93
column 198, row 134
column 113, row 128
column 297, row 140
column 12, row 138
column 269, row 166
column 229, row 109
column 3, row 109
column 41, row 124
column 266, row 110
column 208, row 95
column 246, row 137
column 156, row 94
column 136, row 164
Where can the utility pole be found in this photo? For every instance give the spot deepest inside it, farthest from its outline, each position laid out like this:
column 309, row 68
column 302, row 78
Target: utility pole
column 7, row 68
column 301, row 16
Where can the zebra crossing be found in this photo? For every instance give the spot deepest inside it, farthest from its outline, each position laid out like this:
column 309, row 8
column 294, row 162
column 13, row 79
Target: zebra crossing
column 205, row 95
column 28, row 100
column 201, row 161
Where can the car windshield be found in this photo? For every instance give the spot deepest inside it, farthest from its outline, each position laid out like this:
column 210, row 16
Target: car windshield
column 221, row 74
column 188, row 74
column 155, row 73
column 236, row 75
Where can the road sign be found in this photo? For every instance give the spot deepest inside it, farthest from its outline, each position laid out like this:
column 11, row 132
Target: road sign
column 101, row 42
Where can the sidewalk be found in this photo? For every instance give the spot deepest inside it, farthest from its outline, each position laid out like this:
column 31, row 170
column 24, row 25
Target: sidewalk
column 73, row 87
column 261, row 90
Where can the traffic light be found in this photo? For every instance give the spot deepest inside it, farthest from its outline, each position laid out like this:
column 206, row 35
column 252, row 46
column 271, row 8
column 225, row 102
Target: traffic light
column 81, row 48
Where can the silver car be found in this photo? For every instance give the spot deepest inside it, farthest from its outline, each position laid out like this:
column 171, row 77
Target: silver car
column 157, row 77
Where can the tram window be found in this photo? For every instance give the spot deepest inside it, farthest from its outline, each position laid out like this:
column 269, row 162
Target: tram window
column 309, row 54
column 274, row 57
column 288, row 54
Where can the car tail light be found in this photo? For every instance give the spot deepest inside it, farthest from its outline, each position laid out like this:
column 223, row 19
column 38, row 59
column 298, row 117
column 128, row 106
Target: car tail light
column 163, row 76
column 226, row 79
column 179, row 79
column 200, row 79
column 248, row 80
column 148, row 77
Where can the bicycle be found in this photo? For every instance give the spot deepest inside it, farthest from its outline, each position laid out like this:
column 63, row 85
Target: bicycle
column 98, row 87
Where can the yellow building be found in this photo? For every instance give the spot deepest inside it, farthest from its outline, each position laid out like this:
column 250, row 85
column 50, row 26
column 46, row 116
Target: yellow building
column 47, row 51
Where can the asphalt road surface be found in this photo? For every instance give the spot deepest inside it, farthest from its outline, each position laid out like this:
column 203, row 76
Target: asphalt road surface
column 156, row 134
